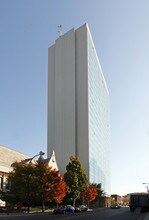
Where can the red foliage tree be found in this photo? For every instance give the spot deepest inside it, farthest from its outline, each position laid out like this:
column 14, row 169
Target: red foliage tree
column 90, row 194
column 59, row 190
column 51, row 183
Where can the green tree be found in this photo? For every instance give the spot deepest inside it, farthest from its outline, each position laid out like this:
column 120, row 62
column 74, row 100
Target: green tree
column 100, row 194
column 98, row 188
column 75, row 178
column 23, row 184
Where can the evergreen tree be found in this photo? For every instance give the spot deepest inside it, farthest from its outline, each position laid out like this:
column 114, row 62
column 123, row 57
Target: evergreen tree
column 75, row 178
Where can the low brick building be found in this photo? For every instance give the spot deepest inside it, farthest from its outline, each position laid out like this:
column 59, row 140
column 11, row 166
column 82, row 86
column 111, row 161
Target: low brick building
column 117, row 199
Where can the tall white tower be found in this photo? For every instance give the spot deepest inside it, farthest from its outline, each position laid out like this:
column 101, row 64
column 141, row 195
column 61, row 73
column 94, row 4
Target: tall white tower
column 78, row 106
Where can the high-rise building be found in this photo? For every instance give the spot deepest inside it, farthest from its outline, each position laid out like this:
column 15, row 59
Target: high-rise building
column 78, row 106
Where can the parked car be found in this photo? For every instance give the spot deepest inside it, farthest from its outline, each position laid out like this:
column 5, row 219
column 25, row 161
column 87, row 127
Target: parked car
column 115, row 206
column 63, row 210
column 77, row 209
column 69, row 208
column 81, row 208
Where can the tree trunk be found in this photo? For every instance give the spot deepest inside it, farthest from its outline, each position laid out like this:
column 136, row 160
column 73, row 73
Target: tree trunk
column 83, row 198
column 74, row 203
column 43, row 205
column 28, row 206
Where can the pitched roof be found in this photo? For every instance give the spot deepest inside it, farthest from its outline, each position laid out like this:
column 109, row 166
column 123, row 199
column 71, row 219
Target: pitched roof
column 9, row 156
column 52, row 161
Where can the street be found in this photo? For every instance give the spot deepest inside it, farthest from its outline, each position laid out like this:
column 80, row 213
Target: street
column 102, row 214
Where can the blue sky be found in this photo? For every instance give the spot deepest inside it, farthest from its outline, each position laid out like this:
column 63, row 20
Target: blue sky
column 121, row 36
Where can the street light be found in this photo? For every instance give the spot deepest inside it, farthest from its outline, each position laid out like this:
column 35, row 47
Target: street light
column 147, row 187
column 26, row 161
column 30, row 159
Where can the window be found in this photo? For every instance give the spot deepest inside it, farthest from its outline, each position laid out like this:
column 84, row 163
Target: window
column 1, row 182
column 7, row 182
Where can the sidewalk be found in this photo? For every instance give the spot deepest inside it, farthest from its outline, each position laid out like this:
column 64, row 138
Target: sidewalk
column 23, row 214
column 146, row 216
column 2, row 214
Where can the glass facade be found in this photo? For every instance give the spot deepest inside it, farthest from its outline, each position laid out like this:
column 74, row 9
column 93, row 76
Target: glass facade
column 98, row 105
column 78, row 114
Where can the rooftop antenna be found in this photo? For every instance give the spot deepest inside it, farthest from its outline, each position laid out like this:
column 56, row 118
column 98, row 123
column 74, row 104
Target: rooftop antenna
column 60, row 30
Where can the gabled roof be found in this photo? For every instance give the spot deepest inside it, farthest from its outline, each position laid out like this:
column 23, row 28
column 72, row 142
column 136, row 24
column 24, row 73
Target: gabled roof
column 52, row 161
column 9, row 156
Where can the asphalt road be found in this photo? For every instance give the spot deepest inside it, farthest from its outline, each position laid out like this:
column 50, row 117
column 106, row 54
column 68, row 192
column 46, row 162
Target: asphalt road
column 102, row 214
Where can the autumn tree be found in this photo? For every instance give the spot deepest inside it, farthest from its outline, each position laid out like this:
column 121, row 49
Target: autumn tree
column 60, row 191
column 38, row 181
column 75, row 178
column 90, row 193
column 51, row 186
